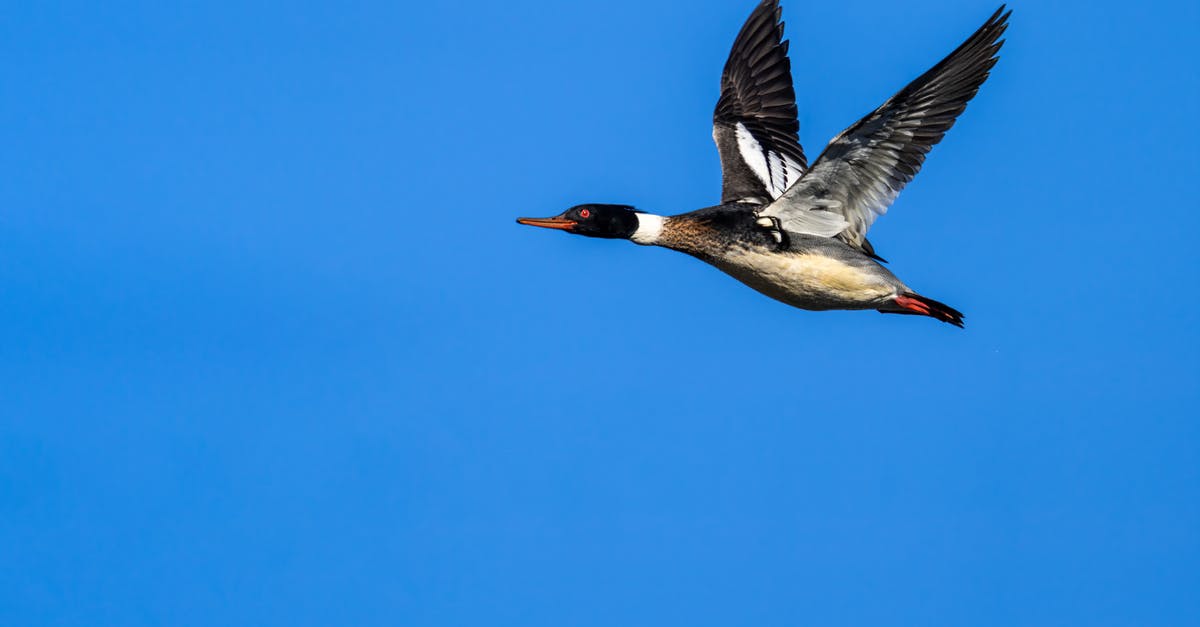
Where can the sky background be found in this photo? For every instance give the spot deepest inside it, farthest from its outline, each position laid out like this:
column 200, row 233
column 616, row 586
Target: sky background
column 273, row 351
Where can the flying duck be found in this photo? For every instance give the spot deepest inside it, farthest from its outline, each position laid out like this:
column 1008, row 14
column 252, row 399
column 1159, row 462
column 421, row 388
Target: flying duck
column 796, row 232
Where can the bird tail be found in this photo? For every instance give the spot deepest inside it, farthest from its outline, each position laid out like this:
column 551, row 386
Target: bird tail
column 917, row 305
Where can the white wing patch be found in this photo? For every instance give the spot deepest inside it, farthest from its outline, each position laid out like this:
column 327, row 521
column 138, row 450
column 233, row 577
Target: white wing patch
column 775, row 171
column 752, row 154
column 791, row 173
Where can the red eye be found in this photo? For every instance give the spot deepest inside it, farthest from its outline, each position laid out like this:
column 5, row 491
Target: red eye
column 584, row 213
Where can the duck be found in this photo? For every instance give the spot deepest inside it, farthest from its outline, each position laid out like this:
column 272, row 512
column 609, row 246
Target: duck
column 797, row 232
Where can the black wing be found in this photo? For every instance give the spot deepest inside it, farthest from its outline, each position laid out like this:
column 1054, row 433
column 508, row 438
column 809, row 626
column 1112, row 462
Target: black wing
column 754, row 124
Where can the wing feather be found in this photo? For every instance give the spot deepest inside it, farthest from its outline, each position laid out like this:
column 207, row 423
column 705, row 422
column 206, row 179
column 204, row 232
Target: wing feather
column 864, row 168
column 754, row 123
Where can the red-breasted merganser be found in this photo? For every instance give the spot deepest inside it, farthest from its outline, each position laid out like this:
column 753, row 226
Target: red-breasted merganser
column 793, row 232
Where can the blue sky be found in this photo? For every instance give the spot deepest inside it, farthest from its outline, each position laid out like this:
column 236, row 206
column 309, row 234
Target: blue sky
column 273, row 352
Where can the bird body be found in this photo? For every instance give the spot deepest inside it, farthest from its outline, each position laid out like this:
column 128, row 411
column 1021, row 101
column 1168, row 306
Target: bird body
column 795, row 232
column 805, row 271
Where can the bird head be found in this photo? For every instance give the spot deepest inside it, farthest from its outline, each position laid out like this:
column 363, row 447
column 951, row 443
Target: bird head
column 609, row 221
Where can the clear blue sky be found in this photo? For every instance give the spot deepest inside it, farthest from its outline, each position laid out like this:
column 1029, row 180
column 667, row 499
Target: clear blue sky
column 273, row 352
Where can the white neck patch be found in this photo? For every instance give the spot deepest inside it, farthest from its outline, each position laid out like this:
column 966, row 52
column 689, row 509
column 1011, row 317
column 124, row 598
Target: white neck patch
column 649, row 228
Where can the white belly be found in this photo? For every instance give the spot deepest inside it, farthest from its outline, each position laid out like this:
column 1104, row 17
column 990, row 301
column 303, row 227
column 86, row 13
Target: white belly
column 810, row 281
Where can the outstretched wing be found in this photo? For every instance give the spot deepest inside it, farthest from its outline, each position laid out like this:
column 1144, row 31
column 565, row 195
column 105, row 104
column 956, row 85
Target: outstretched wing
column 863, row 169
column 754, row 124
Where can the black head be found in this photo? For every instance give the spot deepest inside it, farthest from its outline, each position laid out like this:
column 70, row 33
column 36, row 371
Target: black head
column 612, row 221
